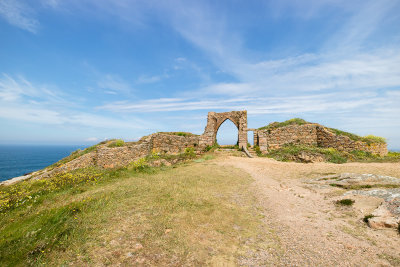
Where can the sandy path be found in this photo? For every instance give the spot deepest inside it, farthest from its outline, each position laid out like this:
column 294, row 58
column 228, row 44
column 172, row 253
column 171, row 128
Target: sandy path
column 312, row 231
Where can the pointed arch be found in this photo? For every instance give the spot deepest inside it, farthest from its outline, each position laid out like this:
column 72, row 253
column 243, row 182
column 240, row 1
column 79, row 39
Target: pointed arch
column 214, row 121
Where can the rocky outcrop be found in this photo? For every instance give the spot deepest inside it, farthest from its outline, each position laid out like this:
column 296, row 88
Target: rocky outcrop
column 384, row 188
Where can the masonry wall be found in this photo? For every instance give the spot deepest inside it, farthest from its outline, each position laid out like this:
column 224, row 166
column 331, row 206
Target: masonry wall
column 113, row 157
column 172, row 144
column 313, row 134
column 291, row 134
column 341, row 142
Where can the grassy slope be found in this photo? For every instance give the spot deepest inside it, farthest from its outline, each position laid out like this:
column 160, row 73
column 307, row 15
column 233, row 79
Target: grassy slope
column 193, row 214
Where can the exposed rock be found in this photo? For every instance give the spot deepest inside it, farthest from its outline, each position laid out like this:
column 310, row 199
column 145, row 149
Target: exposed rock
column 383, row 218
column 308, row 157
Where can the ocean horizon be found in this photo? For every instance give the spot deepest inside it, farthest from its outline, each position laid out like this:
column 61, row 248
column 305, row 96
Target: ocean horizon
column 18, row 160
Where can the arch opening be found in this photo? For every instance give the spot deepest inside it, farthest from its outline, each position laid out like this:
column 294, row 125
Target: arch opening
column 227, row 133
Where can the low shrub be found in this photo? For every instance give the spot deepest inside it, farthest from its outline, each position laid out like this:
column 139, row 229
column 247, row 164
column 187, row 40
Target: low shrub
column 139, row 165
column 190, row 152
column 345, row 202
column 258, row 151
column 213, row 147
column 367, row 217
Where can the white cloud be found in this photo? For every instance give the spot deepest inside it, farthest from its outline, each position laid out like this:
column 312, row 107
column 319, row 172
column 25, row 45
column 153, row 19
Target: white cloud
column 151, row 79
column 24, row 101
column 19, row 14
column 92, row 139
column 113, row 84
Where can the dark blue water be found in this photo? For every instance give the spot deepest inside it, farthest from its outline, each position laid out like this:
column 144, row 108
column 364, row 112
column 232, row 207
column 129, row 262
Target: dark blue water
column 17, row 160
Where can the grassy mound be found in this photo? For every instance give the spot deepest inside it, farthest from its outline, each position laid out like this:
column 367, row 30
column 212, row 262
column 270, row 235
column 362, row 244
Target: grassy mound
column 275, row 125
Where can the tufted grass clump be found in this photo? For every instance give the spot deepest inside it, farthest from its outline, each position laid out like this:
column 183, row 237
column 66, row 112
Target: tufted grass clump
column 345, row 202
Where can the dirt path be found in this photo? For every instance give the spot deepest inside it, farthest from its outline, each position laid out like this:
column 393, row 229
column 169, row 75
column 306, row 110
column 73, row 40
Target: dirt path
column 312, row 230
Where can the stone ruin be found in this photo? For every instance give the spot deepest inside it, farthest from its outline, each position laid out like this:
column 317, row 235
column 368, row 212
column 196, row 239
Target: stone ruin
column 176, row 142
column 214, row 121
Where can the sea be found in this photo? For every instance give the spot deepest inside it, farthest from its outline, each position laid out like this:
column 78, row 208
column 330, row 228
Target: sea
column 18, row 160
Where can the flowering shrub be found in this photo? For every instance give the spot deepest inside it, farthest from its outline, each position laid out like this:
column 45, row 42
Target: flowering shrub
column 138, row 165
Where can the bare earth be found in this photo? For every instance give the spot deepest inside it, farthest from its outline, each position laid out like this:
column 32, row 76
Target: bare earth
column 311, row 229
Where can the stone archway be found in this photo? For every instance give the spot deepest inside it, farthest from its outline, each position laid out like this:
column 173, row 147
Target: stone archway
column 214, row 121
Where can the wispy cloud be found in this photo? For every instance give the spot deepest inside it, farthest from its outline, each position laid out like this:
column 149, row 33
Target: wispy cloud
column 113, row 84
column 343, row 102
column 151, row 79
column 24, row 101
column 19, row 14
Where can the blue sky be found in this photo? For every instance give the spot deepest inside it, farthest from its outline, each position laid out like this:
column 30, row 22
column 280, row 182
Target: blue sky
column 76, row 71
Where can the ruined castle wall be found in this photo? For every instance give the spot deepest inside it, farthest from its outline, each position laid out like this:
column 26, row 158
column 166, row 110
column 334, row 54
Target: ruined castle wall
column 173, row 144
column 114, row 157
column 291, row 134
column 313, row 134
column 343, row 143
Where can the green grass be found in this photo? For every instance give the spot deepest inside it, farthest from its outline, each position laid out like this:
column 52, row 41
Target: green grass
column 179, row 133
column 369, row 139
column 345, row 202
column 176, row 213
column 275, row 125
column 363, row 156
column 288, row 151
column 116, row 143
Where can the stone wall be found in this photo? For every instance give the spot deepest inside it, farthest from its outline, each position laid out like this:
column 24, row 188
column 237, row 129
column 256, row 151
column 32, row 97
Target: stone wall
column 313, row 134
column 291, row 134
column 173, row 144
column 326, row 138
column 113, row 157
